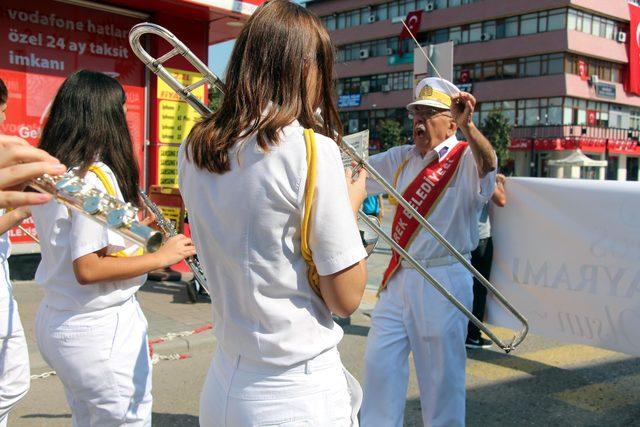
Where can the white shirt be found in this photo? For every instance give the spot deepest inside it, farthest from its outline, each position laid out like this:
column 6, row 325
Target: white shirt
column 246, row 226
column 5, row 284
column 66, row 236
column 456, row 214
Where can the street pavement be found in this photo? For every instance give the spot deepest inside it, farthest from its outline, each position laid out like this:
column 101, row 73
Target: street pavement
column 543, row 382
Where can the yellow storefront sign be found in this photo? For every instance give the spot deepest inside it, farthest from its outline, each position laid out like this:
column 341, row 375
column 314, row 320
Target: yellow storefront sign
column 168, row 166
column 175, row 120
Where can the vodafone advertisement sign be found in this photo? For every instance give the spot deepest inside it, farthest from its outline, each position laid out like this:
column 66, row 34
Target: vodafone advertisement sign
column 42, row 42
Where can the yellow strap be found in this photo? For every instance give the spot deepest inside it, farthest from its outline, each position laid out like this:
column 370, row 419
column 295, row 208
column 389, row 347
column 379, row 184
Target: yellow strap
column 392, row 199
column 104, row 179
column 309, row 193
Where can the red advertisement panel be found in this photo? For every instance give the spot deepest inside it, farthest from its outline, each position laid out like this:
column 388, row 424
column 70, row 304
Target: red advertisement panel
column 42, row 42
column 632, row 80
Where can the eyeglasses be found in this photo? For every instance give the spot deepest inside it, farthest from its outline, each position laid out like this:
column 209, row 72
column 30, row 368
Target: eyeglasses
column 429, row 113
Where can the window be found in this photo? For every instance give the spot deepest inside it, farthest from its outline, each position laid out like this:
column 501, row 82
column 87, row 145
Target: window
column 555, row 64
column 500, row 29
column 528, row 24
column 475, row 32
column 510, row 69
column 489, row 27
column 511, row 26
column 489, row 71
column 557, row 19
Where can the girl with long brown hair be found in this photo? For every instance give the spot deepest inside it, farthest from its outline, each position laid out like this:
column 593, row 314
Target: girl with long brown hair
column 89, row 326
column 273, row 219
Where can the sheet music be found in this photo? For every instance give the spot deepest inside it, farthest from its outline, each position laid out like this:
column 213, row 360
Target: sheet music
column 359, row 141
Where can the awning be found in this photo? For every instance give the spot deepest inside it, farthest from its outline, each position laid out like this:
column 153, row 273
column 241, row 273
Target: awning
column 577, row 158
column 225, row 17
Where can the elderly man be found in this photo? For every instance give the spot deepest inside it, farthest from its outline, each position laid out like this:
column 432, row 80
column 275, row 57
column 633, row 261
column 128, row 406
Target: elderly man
column 447, row 181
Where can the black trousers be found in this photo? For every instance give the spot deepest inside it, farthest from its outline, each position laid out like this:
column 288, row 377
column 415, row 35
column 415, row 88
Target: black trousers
column 481, row 259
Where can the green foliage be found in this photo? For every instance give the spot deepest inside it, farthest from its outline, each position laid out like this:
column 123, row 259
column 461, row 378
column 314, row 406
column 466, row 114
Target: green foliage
column 390, row 134
column 215, row 98
column 497, row 129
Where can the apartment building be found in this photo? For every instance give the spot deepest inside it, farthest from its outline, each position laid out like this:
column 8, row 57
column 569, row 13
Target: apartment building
column 555, row 68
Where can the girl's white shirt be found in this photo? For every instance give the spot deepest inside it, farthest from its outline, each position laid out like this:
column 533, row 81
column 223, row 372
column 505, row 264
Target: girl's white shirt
column 66, row 236
column 6, row 298
column 246, row 226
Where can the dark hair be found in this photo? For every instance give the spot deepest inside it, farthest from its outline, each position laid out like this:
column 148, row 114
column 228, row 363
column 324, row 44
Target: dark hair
column 278, row 47
column 87, row 123
column 4, row 93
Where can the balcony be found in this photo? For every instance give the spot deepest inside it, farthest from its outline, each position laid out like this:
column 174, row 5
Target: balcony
column 593, row 139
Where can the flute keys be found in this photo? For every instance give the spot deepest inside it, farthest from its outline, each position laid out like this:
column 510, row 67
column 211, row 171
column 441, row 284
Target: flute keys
column 119, row 218
column 93, row 205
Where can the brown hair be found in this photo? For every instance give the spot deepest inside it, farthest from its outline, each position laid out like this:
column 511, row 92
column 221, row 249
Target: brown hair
column 276, row 50
column 4, row 94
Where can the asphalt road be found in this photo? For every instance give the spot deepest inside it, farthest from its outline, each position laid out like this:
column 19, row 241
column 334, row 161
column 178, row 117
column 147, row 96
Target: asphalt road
column 544, row 382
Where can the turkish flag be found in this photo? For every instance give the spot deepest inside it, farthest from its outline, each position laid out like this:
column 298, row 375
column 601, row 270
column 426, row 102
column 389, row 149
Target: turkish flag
column 413, row 21
column 582, row 70
column 465, row 76
column 632, row 78
column 592, row 117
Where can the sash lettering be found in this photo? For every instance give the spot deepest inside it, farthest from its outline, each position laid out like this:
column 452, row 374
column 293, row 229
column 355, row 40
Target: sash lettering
column 423, row 194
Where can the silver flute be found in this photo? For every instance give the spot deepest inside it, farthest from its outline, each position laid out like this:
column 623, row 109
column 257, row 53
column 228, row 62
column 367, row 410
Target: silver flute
column 169, row 230
column 75, row 193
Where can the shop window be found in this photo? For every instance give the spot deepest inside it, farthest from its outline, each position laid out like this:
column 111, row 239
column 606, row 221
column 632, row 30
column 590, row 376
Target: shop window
column 612, row 169
column 632, row 169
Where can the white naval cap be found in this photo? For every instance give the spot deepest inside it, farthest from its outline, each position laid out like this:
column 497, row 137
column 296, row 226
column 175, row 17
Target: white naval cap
column 433, row 92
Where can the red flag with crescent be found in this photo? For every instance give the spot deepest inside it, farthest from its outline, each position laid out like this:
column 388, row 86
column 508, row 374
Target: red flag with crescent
column 413, row 21
column 632, row 80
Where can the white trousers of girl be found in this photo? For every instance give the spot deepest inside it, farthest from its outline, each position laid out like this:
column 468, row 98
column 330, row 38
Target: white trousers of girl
column 241, row 393
column 14, row 360
column 103, row 362
column 412, row 316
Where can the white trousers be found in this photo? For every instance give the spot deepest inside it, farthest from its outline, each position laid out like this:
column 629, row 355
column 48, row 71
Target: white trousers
column 240, row 393
column 14, row 360
column 103, row 362
column 412, row 315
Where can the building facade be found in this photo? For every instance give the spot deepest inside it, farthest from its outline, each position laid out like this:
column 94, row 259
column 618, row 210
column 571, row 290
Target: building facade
column 554, row 68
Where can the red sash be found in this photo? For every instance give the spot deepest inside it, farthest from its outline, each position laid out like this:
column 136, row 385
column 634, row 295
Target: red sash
column 423, row 194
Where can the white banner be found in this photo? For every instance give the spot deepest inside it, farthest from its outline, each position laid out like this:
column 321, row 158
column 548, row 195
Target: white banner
column 567, row 255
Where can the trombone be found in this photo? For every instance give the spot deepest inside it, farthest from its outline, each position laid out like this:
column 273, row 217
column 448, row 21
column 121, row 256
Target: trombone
column 208, row 77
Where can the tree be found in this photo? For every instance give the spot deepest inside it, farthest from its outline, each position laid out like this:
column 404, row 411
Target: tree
column 497, row 129
column 390, row 134
column 215, row 98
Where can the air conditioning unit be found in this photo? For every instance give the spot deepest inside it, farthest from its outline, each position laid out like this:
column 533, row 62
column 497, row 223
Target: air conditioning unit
column 372, row 18
column 390, row 51
column 431, row 5
column 593, row 80
column 485, row 37
column 364, row 53
column 622, row 37
column 386, row 88
column 397, row 19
